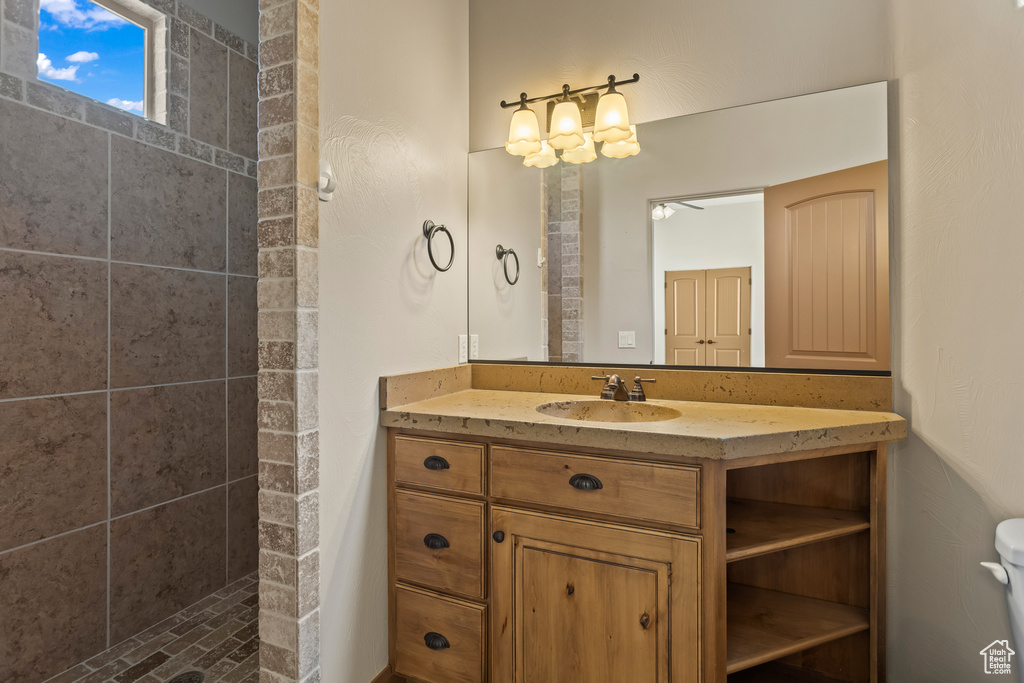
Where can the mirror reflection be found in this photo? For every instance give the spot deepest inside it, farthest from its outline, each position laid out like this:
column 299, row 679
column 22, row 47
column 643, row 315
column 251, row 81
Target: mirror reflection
column 748, row 237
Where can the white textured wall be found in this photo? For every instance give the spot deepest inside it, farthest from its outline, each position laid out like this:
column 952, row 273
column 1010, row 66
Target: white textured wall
column 958, row 322
column 505, row 208
column 726, row 234
column 692, row 56
column 241, row 17
column 393, row 122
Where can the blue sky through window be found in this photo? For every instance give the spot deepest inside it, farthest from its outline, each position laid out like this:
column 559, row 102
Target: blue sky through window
column 89, row 50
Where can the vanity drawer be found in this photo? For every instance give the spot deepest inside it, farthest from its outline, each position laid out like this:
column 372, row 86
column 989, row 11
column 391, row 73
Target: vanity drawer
column 443, row 465
column 439, row 542
column 438, row 640
column 668, row 494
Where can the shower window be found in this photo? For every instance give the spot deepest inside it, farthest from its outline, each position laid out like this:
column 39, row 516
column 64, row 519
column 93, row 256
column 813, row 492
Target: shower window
column 108, row 50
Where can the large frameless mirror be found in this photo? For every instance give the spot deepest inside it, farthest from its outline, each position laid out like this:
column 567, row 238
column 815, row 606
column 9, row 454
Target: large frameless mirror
column 755, row 236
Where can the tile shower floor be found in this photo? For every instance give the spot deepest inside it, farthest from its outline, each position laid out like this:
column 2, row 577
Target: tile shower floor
column 217, row 635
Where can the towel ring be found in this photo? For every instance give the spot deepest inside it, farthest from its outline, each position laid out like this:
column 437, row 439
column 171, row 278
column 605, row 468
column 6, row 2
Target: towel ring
column 503, row 255
column 429, row 230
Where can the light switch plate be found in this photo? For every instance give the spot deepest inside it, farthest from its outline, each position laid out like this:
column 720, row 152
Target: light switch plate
column 474, row 346
column 463, row 348
column 627, row 340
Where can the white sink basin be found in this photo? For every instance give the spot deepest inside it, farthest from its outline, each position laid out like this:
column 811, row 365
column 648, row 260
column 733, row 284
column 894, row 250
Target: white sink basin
column 602, row 410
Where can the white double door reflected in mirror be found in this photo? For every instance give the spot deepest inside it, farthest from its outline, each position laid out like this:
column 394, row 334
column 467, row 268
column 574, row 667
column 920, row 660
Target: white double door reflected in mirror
column 707, row 317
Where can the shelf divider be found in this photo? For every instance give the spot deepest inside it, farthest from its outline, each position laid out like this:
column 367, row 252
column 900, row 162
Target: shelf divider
column 765, row 625
column 758, row 527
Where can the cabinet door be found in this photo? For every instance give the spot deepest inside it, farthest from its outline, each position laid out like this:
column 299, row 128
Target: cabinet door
column 583, row 601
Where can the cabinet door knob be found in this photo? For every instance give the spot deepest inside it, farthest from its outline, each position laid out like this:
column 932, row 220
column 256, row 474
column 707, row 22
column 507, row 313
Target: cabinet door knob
column 498, row 536
column 700, row 341
column 435, row 641
column 436, row 462
column 436, row 542
column 712, row 341
column 585, row 482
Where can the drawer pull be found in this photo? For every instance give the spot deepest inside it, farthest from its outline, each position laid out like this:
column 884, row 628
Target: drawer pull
column 435, row 641
column 436, row 462
column 436, row 542
column 585, row 482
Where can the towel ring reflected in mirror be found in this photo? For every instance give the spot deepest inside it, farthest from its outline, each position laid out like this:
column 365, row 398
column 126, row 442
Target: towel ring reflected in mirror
column 431, row 229
column 503, row 255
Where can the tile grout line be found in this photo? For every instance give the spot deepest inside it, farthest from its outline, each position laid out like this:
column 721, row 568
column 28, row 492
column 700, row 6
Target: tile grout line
column 127, row 514
column 125, row 263
column 110, row 287
column 227, row 369
column 144, row 386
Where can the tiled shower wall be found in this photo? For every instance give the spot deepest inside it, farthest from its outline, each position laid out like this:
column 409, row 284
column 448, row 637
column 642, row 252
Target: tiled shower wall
column 564, row 199
column 128, row 353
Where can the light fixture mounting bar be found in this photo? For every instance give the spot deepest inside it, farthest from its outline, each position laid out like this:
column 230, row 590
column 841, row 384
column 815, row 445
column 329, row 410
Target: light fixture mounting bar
column 566, row 93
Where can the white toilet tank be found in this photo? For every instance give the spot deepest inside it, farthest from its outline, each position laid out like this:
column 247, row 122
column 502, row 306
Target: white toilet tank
column 1010, row 571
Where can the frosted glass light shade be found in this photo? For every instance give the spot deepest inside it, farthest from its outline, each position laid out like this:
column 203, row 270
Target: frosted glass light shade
column 621, row 150
column 542, row 159
column 566, row 126
column 582, row 154
column 661, row 211
column 612, row 120
column 523, row 133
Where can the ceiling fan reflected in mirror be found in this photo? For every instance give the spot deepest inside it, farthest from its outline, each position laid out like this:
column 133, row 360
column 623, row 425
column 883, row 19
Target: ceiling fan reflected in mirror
column 663, row 210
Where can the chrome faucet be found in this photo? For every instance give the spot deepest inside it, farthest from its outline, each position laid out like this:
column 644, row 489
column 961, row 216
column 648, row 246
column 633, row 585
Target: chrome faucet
column 615, row 388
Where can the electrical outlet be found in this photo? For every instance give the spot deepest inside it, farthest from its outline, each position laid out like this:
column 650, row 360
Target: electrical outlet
column 474, row 346
column 463, row 348
column 627, row 340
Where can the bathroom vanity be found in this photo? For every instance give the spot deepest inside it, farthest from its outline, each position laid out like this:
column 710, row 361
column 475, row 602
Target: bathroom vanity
column 676, row 541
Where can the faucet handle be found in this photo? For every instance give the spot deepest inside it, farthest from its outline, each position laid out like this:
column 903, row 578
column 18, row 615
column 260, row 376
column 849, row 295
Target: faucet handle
column 603, row 378
column 607, row 391
column 637, row 393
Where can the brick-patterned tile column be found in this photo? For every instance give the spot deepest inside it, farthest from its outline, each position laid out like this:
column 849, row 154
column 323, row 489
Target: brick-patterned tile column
column 289, row 502
column 572, row 264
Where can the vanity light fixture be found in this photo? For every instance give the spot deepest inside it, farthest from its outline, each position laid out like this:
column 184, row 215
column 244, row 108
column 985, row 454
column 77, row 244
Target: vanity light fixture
column 611, row 127
column 566, row 124
column 582, row 154
column 524, row 132
column 542, row 159
column 623, row 149
column 612, row 119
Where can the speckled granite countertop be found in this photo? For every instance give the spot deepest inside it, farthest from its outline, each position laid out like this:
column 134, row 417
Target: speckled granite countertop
column 720, row 431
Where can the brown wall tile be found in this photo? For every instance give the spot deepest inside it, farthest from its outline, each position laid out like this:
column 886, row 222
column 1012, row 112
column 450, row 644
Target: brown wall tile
column 242, row 340
column 166, row 442
column 242, row 220
column 54, row 336
column 54, row 473
column 242, row 102
column 243, row 516
column 166, row 326
column 164, row 559
column 54, row 605
column 167, row 210
column 208, row 91
column 38, row 154
column 242, row 431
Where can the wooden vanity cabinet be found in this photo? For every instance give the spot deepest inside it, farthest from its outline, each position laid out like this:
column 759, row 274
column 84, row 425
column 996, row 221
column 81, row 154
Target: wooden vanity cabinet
column 522, row 563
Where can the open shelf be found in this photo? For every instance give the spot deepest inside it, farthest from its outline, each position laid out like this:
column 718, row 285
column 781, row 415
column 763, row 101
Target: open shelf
column 777, row 673
column 761, row 528
column 764, row 625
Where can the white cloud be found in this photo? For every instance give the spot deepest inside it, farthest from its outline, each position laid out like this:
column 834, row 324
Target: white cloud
column 82, row 57
column 70, row 14
column 126, row 105
column 47, row 70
